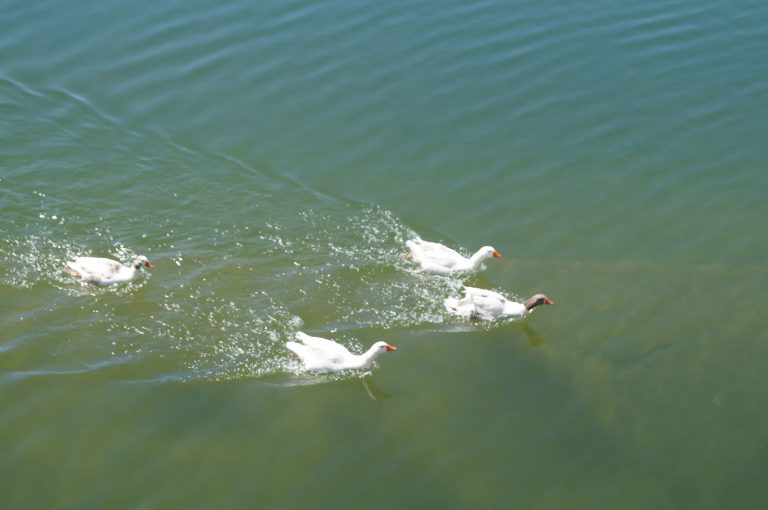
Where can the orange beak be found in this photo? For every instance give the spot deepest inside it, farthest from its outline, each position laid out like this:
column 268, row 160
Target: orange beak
column 548, row 302
column 496, row 254
column 391, row 347
column 150, row 265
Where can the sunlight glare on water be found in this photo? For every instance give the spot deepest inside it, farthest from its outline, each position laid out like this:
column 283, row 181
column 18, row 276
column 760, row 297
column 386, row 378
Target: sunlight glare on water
column 271, row 159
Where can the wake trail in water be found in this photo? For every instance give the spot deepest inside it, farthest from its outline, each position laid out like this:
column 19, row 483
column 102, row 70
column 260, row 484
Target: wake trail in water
column 268, row 256
column 223, row 304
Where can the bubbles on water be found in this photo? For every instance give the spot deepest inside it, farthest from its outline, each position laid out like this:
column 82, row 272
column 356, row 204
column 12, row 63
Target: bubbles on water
column 30, row 259
column 232, row 293
column 340, row 271
column 35, row 245
column 33, row 259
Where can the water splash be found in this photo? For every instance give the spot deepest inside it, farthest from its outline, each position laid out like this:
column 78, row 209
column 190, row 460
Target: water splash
column 225, row 298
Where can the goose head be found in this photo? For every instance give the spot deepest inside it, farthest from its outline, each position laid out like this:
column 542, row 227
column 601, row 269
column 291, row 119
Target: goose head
column 141, row 261
column 384, row 347
column 483, row 253
column 536, row 300
column 379, row 348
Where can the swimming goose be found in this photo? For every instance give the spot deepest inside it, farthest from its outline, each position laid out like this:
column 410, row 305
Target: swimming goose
column 103, row 271
column 322, row 355
column 481, row 304
column 438, row 259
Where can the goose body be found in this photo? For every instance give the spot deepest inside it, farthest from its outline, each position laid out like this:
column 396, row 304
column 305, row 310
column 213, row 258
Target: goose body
column 323, row 355
column 102, row 271
column 481, row 304
column 438, row 259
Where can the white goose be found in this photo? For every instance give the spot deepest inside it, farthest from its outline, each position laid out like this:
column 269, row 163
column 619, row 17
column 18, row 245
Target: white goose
column 103, row 271
column 438, row 259
column 322, row 355
column 481, row 304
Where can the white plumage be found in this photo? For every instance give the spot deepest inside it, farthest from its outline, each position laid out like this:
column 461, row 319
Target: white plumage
column 322, row 355
column 438, row 259
column 101, row 271
column 481, row 304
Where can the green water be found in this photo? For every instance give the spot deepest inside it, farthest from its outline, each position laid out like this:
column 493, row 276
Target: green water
column 271, row 159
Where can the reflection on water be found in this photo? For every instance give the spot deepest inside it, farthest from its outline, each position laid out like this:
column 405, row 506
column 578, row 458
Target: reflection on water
column 533, row 338
column 374, row 391
column 273, row 157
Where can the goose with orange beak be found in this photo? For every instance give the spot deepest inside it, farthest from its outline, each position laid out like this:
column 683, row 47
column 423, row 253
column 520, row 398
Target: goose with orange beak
column 438, row 259
column 323, row 355
column 481, row 304
column 101, row 271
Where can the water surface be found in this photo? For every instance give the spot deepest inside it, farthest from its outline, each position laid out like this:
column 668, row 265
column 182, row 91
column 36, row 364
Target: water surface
column 272, row 159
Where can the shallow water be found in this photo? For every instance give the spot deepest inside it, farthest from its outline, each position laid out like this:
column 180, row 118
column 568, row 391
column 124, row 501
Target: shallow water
column 272, row 159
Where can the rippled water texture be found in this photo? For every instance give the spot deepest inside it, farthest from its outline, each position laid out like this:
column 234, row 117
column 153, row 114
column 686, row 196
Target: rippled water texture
column 272, row 158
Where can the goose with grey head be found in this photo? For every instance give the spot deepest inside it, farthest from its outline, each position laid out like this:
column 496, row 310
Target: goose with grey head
column 481, row 304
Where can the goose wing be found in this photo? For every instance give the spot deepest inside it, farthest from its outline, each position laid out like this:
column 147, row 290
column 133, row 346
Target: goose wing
column 427, row 252
column 323, row 345
column 95, row 266
column 487, row 303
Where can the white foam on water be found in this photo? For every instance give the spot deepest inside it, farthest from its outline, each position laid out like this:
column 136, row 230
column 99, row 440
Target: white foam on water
column 223, row 302
column 346, row 273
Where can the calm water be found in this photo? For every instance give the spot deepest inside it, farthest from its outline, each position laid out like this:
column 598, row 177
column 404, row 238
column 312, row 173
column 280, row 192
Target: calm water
column 271, row 158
